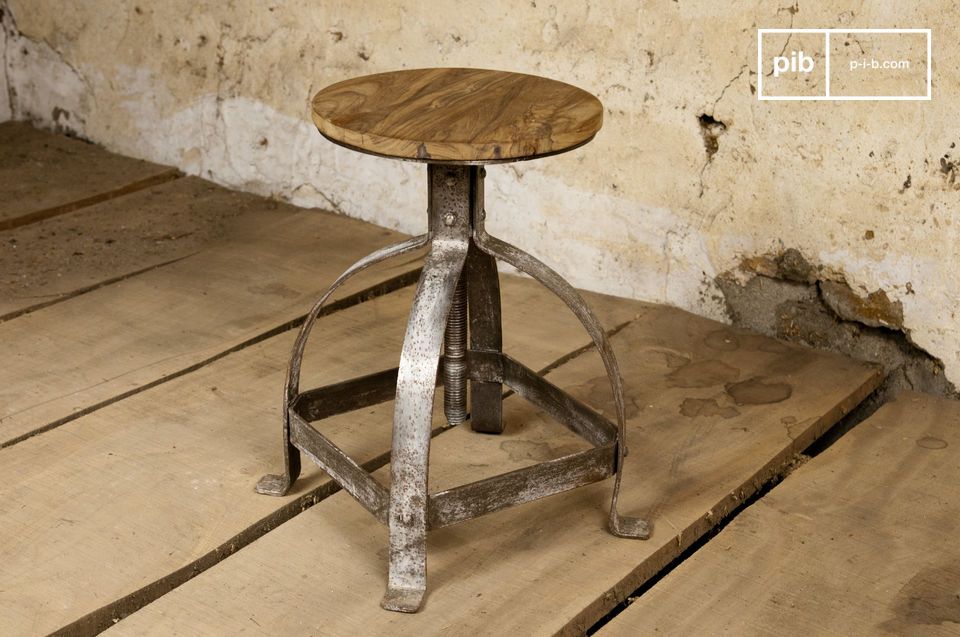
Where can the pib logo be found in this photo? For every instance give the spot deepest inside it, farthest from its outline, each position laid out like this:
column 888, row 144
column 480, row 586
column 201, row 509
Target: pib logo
column 796, row 62
column 886, row 64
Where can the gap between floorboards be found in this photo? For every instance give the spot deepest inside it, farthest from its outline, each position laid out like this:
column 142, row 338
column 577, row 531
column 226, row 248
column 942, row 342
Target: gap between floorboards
column 815, row 448
column 62, row 209
column 384, row 287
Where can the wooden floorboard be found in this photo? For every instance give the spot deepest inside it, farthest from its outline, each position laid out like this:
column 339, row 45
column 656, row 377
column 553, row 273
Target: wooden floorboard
column 56, row 259
column 103, row 515
column 43, row 175
column 713, row 414
column 69, row 358
column 148, row 323
column 861, row 540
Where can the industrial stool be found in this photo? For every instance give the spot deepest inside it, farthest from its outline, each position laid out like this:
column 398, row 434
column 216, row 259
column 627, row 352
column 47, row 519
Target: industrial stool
column 454, row 120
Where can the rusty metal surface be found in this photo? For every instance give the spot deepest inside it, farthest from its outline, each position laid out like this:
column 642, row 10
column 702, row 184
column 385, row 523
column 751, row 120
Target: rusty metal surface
column 558, row 404
column 521, row 485
column 449, row 209
column 483, row 309
column 348, row 474
column 356, row 393
column 279, row 484
column 457, row 302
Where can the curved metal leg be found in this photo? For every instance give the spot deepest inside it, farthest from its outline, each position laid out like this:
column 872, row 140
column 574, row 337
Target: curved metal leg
column 449, row 202
column 413, row 417
column 622, row 526
column 273, row 484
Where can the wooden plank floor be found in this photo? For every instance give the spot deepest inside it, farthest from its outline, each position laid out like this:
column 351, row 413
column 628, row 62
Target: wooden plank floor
column 122, row 337
column 46, row 262
column 139, row 403
column 169, row 473
column 44, row 175
column 703, row 435
column 861, row 540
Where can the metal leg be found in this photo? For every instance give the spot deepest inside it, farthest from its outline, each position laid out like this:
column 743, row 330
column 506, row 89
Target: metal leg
column 416, row 382
column 622, row 526
column 483, row 291
column 273, row 484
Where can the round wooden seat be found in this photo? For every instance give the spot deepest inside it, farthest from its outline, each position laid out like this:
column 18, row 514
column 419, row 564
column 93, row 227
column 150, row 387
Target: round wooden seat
column 465, row 116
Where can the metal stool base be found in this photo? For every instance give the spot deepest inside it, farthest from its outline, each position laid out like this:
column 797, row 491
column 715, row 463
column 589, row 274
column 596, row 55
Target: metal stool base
column 457, row 296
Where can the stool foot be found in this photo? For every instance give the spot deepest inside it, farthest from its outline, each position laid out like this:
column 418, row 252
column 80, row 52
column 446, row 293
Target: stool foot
column 628, row 527
column 279, row 484
column 403, row 600
column 273, row 484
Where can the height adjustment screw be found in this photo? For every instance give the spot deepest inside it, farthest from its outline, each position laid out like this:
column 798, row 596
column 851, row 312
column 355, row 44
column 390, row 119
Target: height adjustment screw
column 448, row 219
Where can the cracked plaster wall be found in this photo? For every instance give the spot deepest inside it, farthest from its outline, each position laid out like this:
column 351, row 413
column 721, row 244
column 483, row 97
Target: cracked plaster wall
column 5, row 107
column 690, row 176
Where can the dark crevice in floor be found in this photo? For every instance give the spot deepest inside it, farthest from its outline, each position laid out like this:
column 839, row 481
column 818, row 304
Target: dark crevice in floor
column 66, row 296
column 858, row 414
column 56, row 211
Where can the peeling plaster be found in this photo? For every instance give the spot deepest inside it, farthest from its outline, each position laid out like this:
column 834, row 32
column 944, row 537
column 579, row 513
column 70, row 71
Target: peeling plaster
column 42, row 87
column 787, row 296
column 6, row 23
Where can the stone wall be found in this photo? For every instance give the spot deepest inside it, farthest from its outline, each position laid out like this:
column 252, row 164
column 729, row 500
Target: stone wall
column 692, row 190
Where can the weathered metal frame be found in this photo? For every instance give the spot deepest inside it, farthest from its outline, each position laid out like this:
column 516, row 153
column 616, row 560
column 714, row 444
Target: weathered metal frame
column 457, row 298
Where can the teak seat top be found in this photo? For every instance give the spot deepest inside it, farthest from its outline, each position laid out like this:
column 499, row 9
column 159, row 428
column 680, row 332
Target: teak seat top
column 457, row 115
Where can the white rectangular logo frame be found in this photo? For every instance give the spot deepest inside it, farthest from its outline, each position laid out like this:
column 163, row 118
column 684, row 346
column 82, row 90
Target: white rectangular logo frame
column 838, row 98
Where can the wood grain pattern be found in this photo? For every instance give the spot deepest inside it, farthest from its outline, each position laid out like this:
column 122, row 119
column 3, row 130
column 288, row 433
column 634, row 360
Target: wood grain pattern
column 73, row 356
column 43, row 175
column 861, row 540
column 457, row 115
column 130, row 500
column 548, row 566
column 43, row 263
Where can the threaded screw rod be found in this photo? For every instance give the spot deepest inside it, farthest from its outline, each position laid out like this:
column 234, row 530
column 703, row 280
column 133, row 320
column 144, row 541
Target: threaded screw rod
column 455, row 358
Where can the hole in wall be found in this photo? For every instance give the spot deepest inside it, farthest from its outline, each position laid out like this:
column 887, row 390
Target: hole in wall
column 710, row 130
